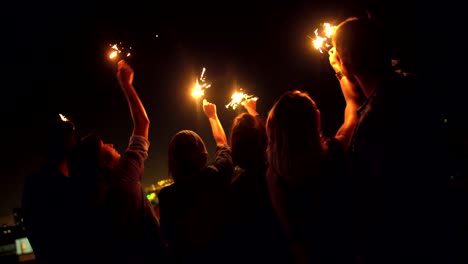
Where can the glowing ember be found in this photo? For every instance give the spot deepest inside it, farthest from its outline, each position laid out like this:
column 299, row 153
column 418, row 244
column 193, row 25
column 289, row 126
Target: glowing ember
column 200, row 86
column 238, row 98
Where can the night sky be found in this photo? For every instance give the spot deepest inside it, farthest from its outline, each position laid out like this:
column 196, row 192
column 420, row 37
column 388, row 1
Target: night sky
column 56, row 62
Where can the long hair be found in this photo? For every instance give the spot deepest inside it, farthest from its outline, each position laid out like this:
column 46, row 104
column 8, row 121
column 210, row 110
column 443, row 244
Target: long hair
column 248, row 141
column 294, row 136
column 295, row 148
column 363, row 46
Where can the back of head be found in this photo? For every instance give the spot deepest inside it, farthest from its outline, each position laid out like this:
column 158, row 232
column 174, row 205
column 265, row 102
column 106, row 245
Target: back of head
column 293, row 130
column 187, row 155
column 248, row 141
column 85, row 163
column 61, row 139
column 363, row 46
column 89, row 172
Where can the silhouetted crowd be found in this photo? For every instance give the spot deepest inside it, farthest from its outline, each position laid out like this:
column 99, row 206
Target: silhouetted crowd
column 278, row 191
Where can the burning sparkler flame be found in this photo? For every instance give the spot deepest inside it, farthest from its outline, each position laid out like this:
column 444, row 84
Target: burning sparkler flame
column 321, row 42
column 116, row 50
column 63, row 118
column 328, row 29
column 113, row 54
column 200, row 86
column 239, row 98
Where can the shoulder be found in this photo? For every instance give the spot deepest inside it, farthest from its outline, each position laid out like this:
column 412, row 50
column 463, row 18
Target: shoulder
column 223, row 149
column 167, row 191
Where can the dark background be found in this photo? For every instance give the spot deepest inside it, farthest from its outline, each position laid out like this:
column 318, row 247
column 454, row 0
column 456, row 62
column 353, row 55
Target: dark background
column 55, row 61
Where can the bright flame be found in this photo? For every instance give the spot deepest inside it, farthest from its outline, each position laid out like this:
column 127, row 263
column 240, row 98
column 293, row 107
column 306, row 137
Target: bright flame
column 113, row 54
column 197, row 90
column 329, row 30
column 238, row 98
column 64, row 119
column 200, row 86
column 116, row 50
column 321, row 42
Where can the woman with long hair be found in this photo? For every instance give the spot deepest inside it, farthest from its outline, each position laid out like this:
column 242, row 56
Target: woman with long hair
column 304, row 175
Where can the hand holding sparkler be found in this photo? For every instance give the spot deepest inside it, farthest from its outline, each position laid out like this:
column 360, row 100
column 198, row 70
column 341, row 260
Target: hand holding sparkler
column 125, row 73
column 335, row 62
column 251, row 106
column 350, row 90
column 209, row 109
column 216, row 127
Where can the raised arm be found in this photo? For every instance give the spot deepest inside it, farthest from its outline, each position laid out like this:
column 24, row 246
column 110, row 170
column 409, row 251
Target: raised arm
column 251, row 106
column 352, row 98
column 216, row 127
column 137, row 110
column 345, row 132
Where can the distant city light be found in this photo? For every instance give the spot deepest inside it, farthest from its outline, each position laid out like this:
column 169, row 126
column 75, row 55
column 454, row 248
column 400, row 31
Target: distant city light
column 151, row 196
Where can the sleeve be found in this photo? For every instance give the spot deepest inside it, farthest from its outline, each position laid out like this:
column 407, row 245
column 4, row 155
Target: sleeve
column 131, row 165
column 223, row 160
column 220, row 172
column 130, row 206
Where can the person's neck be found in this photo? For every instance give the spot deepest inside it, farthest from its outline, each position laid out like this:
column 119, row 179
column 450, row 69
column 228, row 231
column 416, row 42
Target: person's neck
column 368, row 85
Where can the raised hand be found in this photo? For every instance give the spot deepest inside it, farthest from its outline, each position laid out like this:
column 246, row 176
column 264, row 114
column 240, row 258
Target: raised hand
column 251, row 106
column 124, row 73
column 216, row 127
column 334, row 60
column 209, row 109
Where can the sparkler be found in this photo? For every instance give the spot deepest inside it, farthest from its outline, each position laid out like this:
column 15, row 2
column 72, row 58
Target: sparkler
column 116, row 51
column 63, row 118
column 239, row 98
column 200, row 86
column 322, row 39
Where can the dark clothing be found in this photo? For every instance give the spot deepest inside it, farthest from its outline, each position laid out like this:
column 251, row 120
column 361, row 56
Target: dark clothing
column 192, row 212
column 252, row 231
column 315, row 212
column 125, row 229
column 46, row 208
column 394, row 144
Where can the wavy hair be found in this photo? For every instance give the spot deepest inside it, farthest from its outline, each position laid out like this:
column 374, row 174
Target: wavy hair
column 248, row 141
column 295, row 141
